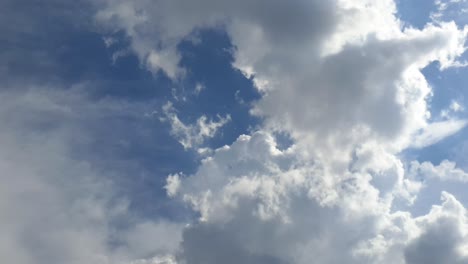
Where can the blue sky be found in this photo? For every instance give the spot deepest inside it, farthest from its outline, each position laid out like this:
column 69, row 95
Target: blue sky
column 236, row 132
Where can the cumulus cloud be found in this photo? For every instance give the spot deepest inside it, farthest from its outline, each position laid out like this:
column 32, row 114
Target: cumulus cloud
column 442, row 235
column 343, row 78
column 274, row 208
column 445, row 171
column 304, row 61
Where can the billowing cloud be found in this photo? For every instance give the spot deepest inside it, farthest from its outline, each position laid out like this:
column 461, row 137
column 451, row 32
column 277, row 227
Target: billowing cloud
column 442, row 236
column 276, row 207
column 445, row 171
column 303, row 63
column 342, row 78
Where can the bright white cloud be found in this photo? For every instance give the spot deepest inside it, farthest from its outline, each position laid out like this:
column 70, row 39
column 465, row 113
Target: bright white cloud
column 173, row 185
column 442, row 235
column 445, row 171
column 437, row 131
column 275, row 208
column 343, row 78
column 192, row 135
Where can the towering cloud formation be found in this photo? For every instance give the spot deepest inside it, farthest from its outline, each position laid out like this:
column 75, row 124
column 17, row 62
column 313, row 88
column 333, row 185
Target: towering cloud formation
column 342, row 78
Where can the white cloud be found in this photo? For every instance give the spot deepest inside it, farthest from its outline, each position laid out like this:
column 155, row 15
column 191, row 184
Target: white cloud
column 192, row 135
column 442, row 235
column 172, row 185
column 436, row 132
column 343, row 78
column 455, row 107
column 56, row 206
column 198, row 88
column 109, row 41
column 445, row 171
column 298, row 60
column 273, row 207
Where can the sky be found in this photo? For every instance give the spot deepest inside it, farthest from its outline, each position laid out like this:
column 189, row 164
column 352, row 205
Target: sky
column 219, row 131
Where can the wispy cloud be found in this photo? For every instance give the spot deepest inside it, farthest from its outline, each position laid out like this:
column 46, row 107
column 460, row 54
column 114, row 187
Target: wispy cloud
column 192, row 135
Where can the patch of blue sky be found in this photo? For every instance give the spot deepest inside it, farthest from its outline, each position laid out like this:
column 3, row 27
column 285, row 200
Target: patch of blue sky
column 138, row 144
column 430, row 194
column 142, row 145
column 147, row 141
column 448, row 86
column 225, row 91
column 213, row 87
column 448, row 10
column 415, row 13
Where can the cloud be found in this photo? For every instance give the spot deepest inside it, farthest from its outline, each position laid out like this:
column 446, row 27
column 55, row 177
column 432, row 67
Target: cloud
column 297, row 61
column 276, row 208
column 156, row 30
column 343, row 79
column 455, row 107
column 156, row 260
column 449, row 9
column 442, row 236
column 436, row 132
column 192, row 135
column 445, row 171
column 173, row 184
column 59, row 206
